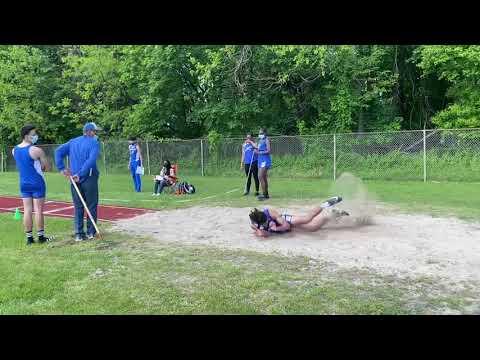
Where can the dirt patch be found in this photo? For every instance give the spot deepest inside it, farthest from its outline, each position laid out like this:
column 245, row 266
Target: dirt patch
column 374, row 237
column 395, row 244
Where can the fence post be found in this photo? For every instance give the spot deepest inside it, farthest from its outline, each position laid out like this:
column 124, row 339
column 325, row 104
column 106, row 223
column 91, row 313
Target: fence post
column 1, row 151
column 148, row 159
column 424, row 156
column 104, row 157
column 334, row 156
column 201, row 156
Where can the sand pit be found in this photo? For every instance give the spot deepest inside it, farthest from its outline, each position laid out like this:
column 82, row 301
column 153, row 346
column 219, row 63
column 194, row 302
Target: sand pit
column 402, row 245
column 373, row 237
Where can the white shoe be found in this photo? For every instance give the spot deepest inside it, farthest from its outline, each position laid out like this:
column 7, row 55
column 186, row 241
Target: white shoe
column 154, row 194
column 330, row 202
column 157, row 194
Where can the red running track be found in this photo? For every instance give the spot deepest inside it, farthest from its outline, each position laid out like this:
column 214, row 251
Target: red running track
column 65, row 209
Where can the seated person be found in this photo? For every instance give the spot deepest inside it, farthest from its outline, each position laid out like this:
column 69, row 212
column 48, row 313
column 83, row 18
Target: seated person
column 166, row 178
column 271, row 221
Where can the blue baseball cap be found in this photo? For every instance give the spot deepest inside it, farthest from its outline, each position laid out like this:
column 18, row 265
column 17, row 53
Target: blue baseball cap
column 91, row 126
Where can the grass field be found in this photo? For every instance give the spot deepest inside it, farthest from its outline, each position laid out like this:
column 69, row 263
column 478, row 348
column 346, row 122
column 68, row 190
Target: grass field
column 438, row 198
column 123, row 275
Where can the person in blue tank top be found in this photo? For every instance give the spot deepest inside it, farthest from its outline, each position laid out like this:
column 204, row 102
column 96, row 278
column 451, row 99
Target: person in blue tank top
column 135, row 161
column 31, row 163
column 83, row 152
column 264, row 161
column 270, row 221
column 249, row 163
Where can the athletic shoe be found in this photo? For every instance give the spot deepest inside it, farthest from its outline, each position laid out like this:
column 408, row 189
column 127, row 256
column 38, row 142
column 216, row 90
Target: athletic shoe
column 246, row 193
column 263, row 197
column 330, row 202
column 44, row 239
column 30, row 241
column 157, row 194
column 257, row 193
column 90, row 237
column 79, row 238
column 154, row 194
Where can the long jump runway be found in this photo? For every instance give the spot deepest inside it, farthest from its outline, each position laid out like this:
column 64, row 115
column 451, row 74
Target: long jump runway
column 65, row 209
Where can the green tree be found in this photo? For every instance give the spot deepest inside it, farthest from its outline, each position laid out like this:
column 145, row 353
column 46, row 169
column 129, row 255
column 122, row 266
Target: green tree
column 460, row 67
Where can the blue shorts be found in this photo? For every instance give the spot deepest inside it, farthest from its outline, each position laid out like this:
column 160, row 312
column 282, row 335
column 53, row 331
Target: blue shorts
column 263, row 163
column 35, row 192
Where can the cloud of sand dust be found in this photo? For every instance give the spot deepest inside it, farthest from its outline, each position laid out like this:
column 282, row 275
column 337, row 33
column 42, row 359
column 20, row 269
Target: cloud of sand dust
column 356, row 200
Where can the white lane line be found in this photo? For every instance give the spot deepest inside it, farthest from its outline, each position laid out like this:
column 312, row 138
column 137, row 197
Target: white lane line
column 61, row 215
column 71, row 217
column 122, row 207
column 8, row 209
column 211, row 196
column 120, row 200
column 228, row 192
column 57, row 210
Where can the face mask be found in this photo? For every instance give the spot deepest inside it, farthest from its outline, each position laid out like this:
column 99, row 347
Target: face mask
column 261, row 136
column 34, row 138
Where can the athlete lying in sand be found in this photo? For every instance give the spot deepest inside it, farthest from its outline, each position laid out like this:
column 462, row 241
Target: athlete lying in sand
column 271, row 221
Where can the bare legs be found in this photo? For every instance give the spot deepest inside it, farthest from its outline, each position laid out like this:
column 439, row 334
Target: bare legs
column 29, row 205
column 305, row 219
column 262, row 176
column 27, row 214
column 312, row 221
column 38, row 205
column 317, row 223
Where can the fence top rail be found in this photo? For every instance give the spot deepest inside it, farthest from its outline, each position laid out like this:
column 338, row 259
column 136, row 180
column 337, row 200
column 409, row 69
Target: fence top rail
column 169, row 140
column 164, row 140
column 378, row 132
column 335, row 133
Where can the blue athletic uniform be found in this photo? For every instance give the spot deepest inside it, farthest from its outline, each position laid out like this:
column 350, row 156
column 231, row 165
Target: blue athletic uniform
column 134, row 163
column 264, row 160
column 32, row 182
column 249, row 155
column 288, row 218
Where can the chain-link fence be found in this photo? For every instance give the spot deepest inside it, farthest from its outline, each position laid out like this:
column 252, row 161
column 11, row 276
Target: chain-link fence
column 452, row 155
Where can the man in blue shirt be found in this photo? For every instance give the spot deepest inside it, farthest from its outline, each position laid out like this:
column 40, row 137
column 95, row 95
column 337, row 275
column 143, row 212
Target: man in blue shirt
column 82, row 153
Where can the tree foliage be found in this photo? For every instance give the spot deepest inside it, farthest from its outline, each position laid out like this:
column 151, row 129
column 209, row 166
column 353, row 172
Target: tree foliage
column 166, row 91
column 460, row 67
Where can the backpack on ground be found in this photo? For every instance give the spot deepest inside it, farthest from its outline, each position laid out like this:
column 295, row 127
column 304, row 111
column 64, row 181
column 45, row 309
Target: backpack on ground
column 184, row 188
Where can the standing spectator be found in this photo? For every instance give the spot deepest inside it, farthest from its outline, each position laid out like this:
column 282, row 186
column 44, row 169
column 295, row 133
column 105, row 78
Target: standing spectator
column 82, row 153
column 31, row 162
column 135, row 161
column 264, row 162
column 249, row 163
